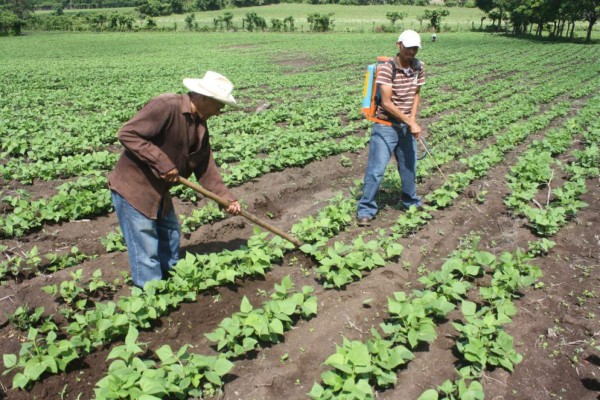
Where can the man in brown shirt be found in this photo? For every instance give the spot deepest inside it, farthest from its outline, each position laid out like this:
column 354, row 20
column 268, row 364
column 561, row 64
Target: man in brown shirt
column 167, row 138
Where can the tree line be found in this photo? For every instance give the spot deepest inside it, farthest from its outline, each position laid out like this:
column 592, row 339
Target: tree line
column 14, row 14
column 555, row 17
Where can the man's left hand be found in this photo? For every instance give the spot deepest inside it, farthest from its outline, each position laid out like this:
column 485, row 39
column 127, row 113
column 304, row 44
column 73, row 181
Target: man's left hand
column 234, row 208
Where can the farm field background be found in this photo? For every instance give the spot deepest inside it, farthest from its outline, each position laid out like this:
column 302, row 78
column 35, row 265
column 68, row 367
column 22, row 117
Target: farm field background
column 514, row 125
column 345, row 18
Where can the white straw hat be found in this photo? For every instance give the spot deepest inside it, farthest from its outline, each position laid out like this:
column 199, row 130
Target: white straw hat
column 213, row 85
column 410, row 38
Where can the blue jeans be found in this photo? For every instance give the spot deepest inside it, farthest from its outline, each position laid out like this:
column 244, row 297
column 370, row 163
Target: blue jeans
column 152, row 244
column 385, row 141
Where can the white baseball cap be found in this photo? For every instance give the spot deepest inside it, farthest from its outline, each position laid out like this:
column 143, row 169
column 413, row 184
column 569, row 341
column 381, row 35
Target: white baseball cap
column 410, row 38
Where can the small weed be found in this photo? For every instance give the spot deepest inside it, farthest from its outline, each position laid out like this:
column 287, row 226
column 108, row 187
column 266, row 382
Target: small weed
column 346, row 162
column 481, row 196
column 422, row 270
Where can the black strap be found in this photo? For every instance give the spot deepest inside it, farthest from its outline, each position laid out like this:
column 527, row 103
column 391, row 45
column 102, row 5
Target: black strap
column 393, row 69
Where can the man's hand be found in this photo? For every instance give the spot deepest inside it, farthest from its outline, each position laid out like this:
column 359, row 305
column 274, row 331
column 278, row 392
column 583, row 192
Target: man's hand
column 170, row 176
column 415, row 129
column 234, row 208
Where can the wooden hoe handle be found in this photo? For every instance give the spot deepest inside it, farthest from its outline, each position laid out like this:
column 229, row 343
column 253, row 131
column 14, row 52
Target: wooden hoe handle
column 243, row 213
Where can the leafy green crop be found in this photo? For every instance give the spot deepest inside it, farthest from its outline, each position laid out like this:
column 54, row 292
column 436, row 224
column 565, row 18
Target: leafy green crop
column 240, row 333
column 178, row 375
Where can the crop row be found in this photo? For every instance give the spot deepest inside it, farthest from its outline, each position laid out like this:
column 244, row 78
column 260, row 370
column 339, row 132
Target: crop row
column 357, row 366
column 107, row 322
column 534, row 169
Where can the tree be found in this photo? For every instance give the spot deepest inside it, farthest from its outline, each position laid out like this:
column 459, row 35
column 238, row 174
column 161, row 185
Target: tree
column 494, row 9
column 548, row 15
column 394, row 16
column 590, row 10
column 150, row 23
column 9, row 23
column 228, row 18
column 218, row 21
column 253, row 21
column 206, row 5
column 276, row 25
column 153, row 8
column 288, row 23
column 320, row 22
column 176, row 6
column 435, row 18
column 13, row 15
column 100, row 19
column 189, row 21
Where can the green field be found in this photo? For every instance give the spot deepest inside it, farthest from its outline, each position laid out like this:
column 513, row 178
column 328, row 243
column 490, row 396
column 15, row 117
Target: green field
column 513, row 123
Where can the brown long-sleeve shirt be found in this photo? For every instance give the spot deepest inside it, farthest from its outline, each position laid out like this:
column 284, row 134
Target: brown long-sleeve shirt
column 163, row 135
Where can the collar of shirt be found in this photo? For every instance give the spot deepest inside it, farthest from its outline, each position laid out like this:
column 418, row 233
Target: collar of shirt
column 407, row 71
column 190, row 108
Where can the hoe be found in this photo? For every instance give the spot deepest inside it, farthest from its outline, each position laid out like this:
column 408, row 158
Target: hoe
column 245, row 214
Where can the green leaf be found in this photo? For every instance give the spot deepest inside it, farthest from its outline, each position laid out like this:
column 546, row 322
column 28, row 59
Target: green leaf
column 310, row 307
column 359, row 354
column 218, row 334
column 10, row 360
column 330, row 378
column 364, row 388
column 151, row 385
column 316, row 392
column 33, row 369
column 20, row 381
column 132, row 335
column 222, row 366
column 166, row 354
column 485, row 258
column 468, row 308
column 473, row 392
column 276, row 326
column 213, row 378
column 246, row 307
column 288, row 306
column 335, row 358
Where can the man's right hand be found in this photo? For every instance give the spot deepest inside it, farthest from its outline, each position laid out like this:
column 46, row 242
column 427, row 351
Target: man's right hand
column 170, row 176
column 415, row 129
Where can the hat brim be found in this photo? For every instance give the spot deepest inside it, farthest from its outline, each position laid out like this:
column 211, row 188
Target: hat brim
column 197, row 86
column 410, row 44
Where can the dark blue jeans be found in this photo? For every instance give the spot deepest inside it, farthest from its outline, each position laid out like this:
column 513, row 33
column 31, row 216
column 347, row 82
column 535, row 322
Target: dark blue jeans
column 385, row 141
column 152, row 244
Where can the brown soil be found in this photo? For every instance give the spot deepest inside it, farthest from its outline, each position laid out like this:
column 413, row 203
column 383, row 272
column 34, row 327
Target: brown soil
column 553, row 328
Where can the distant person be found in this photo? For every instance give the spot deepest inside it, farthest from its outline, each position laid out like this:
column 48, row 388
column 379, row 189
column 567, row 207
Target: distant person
column 399, row 103
column 166, row 139
column 433, row 37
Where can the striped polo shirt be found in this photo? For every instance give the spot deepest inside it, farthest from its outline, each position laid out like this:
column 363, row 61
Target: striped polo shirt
column 404, row 86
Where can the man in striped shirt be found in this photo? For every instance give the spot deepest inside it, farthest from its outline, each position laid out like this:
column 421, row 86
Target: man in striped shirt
column 398, row 131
